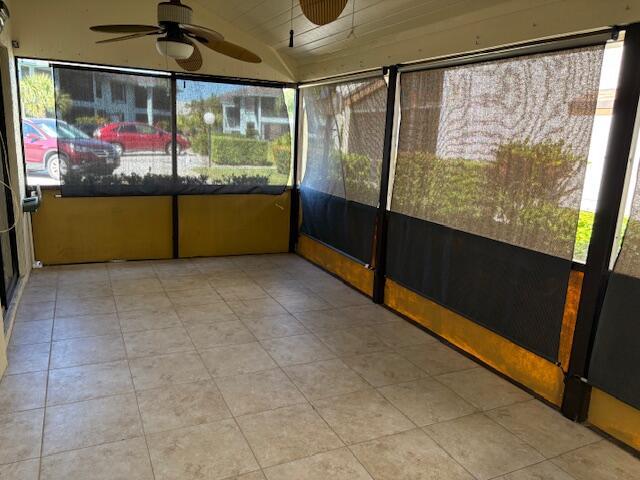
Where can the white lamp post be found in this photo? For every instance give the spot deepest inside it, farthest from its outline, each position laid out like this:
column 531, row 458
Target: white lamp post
column 209, row 119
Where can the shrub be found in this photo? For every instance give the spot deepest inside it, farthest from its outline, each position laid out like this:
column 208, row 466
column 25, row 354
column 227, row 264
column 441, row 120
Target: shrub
column 88, row 124
column 240, row 151
column 280, row 153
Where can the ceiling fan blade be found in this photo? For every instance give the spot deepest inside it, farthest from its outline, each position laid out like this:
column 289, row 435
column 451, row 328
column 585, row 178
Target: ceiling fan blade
column 234, row 51
column 125, row 28
column 322, row 12
column 203, row 34
column 127, row 37
column 193, row 63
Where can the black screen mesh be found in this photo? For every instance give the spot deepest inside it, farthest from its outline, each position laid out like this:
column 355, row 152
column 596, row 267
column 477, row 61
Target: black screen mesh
column 615, row 362
column 113, row 132
column 342, row 148
column 487, row 188
column 499, row 149
column 239, row 135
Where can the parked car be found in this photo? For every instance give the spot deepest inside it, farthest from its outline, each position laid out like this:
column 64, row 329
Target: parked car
column 57, row 147
column 139, row 137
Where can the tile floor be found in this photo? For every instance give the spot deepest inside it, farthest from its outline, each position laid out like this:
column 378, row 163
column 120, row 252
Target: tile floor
column 259, row 367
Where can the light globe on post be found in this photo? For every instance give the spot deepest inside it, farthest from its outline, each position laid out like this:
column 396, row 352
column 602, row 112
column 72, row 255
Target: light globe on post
column 209, row 118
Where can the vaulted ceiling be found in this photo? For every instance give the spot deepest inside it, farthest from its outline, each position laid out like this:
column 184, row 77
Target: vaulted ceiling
column 384, row 31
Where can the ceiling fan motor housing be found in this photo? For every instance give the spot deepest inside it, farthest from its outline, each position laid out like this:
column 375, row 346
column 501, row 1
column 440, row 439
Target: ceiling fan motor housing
column 174, row 12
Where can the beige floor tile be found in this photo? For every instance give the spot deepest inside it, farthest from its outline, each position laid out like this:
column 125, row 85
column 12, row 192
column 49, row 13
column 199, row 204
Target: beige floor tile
column 296, row 349
column 208, row 313
column 97, row 288
column 352, row 341
column 24, row 391
column 325, row 378
column 228, row 278
column 130, row 271
column 426, row 401
column 237, row 359
column 274, row 326
column 82, row 351
column 204, row 295
column 370, row 313
column 246, row 291
column 219, row 334
column 210, row 451
column 34, row 293
column 124, row 460
column 302, row 302
column 342, row 296
column 282, row 287
column 257, row 307
column 20, row 435
column 85, row 326
column 79, row 274
column 361, row 416
column 140, row 320
column 482, row 446
column 28, row 358
column 384, row 368
column 258, row 475
column 157, row 342
column 69, row 307
column 26, row 470
column 173, row 268
column 330, row 320
column 32, row 311
column 336, row 465
column 286, row 434
column 408, row 455
column 136, row 286
column 151, row 372
column 183, row 405
column 539, row 471
column 184, row 282
column 84, row 424
column 402, row 334
column 27, row 333
column 260, row 391
column 436, row 358
column 145, row 301
column 483, row 389
column 600, row 461
column 543, row 428
column 86, row 382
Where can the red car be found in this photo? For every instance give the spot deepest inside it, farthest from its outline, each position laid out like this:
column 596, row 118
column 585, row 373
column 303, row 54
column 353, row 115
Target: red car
column 139, row 137
column 57, row 147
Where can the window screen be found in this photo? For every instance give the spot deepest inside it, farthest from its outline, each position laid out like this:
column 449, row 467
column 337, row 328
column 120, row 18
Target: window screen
column 117, row 141
column 239, row 135
column 344, row 138
column 342, row 148
column 499, row 149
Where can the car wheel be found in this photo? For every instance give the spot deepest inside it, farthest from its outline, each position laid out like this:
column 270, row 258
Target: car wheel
column 119, row 149
column 167, row 149
column 57, row 166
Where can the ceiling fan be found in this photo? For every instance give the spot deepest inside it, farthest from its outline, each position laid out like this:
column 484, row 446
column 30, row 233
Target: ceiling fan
column 178, row 34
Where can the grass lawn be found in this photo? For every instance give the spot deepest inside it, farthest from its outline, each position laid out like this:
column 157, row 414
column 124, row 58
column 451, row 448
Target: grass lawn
column 218, row 172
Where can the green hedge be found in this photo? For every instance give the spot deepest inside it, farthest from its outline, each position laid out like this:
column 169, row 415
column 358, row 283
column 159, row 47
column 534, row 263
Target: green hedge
column 240, row 151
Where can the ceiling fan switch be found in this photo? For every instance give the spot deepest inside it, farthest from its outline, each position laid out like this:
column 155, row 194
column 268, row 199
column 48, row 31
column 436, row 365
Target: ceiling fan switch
column 174, row 12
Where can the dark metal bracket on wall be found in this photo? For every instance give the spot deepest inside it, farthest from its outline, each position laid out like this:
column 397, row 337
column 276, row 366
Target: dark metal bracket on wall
column 575, row 402
column 381, row 218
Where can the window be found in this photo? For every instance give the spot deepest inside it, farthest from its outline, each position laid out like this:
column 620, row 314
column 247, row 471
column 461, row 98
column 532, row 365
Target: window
column 118, row 92
column 228, row 145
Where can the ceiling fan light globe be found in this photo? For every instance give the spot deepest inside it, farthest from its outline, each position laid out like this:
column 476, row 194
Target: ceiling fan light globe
column 174, row 48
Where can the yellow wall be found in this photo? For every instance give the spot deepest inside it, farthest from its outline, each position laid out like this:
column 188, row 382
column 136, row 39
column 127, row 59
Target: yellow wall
column 618, row 419
column 96, row 229
column 233, row 224
column 348, row 270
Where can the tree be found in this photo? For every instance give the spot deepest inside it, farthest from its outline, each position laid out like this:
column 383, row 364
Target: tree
column 192, row 124
column 38, row 97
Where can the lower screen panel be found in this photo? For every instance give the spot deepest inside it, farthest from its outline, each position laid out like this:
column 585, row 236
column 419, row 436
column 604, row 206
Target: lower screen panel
column 517, row 293
column 616, row 356
column 342, row 224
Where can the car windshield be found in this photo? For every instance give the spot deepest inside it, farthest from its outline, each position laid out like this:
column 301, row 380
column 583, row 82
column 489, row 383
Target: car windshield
column 62, row 130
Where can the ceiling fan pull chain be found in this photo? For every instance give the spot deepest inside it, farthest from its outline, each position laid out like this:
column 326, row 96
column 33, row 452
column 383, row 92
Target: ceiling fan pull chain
column 291, row 31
